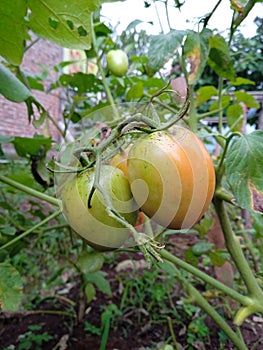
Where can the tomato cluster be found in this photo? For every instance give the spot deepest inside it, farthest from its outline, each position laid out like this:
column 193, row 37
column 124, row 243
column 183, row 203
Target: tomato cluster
column 169, row 176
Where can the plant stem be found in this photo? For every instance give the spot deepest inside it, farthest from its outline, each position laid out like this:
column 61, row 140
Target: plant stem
column 101, row 70
column 209, row 310
column 244, row 300
column 235, row 250
column 29, row 190
column 192, row 111
column 32, row 229
column 220, row 114
column 197, row 298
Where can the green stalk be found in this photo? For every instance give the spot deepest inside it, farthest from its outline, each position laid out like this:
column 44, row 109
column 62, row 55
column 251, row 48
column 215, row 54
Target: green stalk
column 220, row 114
column 209, row 310
column 242, row 299
column 235, row 250
column 101, row 70
column 197, row 298
column 32, row 229
column 192, row 111
column 29, row 190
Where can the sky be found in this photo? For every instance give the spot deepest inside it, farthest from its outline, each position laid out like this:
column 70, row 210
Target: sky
column 123, row 13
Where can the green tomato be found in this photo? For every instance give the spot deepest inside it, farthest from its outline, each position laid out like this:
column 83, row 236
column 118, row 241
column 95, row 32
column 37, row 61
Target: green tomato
column 117, row 62
column 101, row 231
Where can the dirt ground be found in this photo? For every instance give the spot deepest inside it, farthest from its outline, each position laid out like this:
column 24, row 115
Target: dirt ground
column 68, row 334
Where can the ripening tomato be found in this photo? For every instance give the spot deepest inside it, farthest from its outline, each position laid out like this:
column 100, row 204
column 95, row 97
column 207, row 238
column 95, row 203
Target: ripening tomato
column 172, row 177
column 120, row 160
column 117, row 62
column 101, row 231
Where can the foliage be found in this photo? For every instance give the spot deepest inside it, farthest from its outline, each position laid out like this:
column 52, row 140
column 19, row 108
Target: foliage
column 32, row 339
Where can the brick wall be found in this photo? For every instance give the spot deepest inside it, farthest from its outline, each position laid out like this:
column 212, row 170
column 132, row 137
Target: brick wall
column 13, row 116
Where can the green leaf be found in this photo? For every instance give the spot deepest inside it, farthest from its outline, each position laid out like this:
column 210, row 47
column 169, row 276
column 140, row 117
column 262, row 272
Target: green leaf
column 136, row 91
column 98, row 278
column 66, row 23
column 225, row 101
column 235, row 117
column 244, row 169
column 204, row 94
column 195, row 52
column 219, row 57
column 12, row 30
column 217, row 259
column 242, row 81
column 9, row 230
column 201, row 248
column 90, row 292
column 190, row 257
column 26, row 146
column 247, row 99
column 10, row 287
column 80, row 82
column 205, row 225
column 90, row 262
column 11, row 87
column 163, row 47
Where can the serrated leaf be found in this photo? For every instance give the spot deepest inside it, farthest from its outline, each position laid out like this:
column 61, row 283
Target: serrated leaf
column 204, row 94
column 66, row 23
column 244, row 169
column 11, row 87
column 90, row 262
column 98, row 278
column 235, row 117
column 12, row 30
column 163, row 47
column 219, row 57
column 247, row 99
column 10, row 287
column 195, row 52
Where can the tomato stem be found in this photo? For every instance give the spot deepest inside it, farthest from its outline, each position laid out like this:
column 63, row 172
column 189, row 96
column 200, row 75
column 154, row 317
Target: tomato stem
column 101, row 70
column 30, row 191
column 197, row 297
column 32, row 229
column 235, row 250
column 244, row 300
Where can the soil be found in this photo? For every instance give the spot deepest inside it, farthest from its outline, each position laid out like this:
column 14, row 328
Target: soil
column 69, row 334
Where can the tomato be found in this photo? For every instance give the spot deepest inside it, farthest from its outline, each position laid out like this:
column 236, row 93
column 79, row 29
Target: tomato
column 101, row 231
column 117, row 62
column 172, row 177
column 120, row 160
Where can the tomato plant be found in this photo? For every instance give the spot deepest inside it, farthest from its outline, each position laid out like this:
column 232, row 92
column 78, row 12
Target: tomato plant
column 117, row 62
column 172, row 177
column 94, row 224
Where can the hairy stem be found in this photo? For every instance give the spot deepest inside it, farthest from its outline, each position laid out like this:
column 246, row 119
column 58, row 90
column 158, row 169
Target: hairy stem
column 244, row 300
column 235, row 250
column 32, row 229
column 29, row 190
